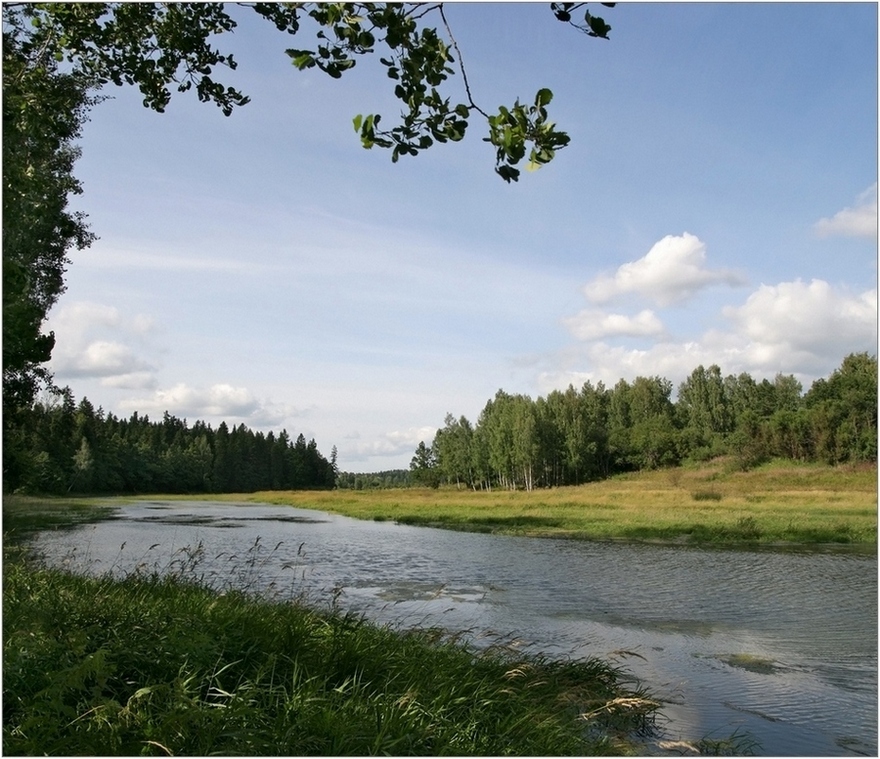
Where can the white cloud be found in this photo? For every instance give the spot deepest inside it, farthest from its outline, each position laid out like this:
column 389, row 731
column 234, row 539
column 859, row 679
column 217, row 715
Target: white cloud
column 799, row 328
column 594, row 324
column 859, row 221
column 183, row 400
column 100, row 358
column 795, row 318
column 95, row 340
column 393, row 443
column 76, row 318
column 671, row 272
column 212, row 404
column 609, row 363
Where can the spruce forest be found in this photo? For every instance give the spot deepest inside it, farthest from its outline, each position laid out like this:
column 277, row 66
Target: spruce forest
column 66, row 447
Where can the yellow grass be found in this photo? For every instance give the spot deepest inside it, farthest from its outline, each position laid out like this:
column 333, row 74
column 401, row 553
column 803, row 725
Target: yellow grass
column 777, row 503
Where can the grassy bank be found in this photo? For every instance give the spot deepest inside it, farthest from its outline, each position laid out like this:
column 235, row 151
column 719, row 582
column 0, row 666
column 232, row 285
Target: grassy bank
column 158, row 666
column 23, row 515
column 710, row 503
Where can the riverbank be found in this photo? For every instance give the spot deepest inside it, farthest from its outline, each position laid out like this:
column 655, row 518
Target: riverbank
column 535, row 590
column 159, row 665
column 781, row 503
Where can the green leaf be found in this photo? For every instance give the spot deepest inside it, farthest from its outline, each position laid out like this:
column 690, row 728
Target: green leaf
column 597, row 26
column 543, row 97
column 507, row 173
column 302, row 59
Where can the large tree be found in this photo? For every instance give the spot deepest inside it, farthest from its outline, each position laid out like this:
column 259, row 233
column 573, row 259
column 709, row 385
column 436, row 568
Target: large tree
column 43, row 112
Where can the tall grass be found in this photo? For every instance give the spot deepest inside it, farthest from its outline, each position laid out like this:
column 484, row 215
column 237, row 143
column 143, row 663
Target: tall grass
column 159, row 665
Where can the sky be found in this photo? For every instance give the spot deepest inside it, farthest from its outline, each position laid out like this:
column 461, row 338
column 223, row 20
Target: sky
column 717, row 204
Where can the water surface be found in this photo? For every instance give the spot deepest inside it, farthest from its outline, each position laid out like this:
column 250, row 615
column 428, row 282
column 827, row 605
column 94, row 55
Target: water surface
column 781, row 645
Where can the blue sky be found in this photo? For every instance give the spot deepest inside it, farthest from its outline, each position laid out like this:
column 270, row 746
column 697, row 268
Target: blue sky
column 717, row 204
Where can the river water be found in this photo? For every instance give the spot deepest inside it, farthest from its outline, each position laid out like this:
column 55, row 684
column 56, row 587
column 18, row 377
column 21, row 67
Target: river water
column 777, row 646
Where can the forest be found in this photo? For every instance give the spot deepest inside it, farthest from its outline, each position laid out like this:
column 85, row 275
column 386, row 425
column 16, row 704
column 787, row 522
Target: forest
column 575, row 436
column 64, row 447
column 566, row 438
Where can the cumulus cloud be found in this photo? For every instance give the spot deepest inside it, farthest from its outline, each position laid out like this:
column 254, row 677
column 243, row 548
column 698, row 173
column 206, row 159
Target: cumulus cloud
column 858, row 221
column 800, row 328
column 76, row 318
column 594, row 324
column 807, row 319
column 217, row 402
column 100, row 358
column 672, row 271
column 392, row 443
column 609, row 363
column 96, row 341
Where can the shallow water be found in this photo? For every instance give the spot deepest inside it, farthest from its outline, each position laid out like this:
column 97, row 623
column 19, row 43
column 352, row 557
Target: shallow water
column 779, row 645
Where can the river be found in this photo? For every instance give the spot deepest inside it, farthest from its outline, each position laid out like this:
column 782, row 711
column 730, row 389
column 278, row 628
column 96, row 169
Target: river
column 779, row 646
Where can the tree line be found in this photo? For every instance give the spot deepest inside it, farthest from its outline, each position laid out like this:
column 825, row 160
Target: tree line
column 384, row 480
column 65, row 447
column 578, row 435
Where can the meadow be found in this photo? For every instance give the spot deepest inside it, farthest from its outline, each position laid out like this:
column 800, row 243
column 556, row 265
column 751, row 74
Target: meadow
column 778, row 503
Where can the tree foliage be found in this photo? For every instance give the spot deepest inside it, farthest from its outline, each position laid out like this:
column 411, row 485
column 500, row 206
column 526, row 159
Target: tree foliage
column 160, row 47
column 387, row 478
column 575, row 436
column 423, row 467
column 43, row 112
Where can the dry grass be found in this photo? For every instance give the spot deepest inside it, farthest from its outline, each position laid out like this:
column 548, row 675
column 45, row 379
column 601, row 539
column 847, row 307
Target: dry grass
column 776, row 503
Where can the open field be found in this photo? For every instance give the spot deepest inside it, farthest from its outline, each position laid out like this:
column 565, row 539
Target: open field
column 775, row 503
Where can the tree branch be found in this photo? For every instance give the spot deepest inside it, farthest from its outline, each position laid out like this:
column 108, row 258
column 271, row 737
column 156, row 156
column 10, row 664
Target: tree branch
column 467, row 87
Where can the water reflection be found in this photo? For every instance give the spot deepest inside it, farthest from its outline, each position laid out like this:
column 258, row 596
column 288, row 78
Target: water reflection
column 783, row 645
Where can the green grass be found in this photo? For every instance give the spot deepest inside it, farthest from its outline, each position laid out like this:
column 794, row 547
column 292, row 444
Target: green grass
column 779, row 503
column 24, row 515
column 159, row 666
